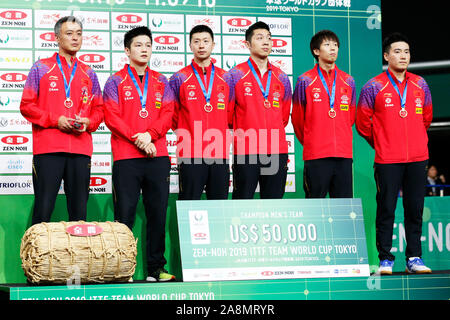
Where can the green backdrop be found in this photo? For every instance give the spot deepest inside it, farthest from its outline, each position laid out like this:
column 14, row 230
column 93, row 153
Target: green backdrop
column 358, row 25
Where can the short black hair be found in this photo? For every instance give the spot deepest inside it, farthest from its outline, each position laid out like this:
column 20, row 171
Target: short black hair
column 391, row 38
column 201, row 28
column 59, row 23
column 138, row 31
column 321, row 36
column 253, row 27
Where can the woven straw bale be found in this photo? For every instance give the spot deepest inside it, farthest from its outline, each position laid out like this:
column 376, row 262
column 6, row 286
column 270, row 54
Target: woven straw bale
column 51, row 255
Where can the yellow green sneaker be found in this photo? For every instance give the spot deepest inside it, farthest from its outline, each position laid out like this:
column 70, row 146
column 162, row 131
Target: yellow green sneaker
column 160, row 274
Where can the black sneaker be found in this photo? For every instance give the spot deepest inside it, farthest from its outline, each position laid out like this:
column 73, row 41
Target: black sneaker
column 160, row 274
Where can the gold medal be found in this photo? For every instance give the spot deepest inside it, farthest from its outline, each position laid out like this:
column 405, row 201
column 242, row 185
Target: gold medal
column 267, row 104
column 403, row 113
column 143, row 113
column 68, row 103
column 332, row 113
column 208, row 107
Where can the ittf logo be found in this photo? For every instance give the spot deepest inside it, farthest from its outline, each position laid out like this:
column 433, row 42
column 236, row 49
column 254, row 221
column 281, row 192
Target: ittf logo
column 13, row 15
column 239, row 22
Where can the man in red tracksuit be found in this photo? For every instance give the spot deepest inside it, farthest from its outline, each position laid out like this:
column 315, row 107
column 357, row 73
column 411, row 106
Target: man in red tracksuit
column 394, row 113
column 202, row 111
column 263, row 95
column 63, row 101
column 323, row 115
column 138, row 111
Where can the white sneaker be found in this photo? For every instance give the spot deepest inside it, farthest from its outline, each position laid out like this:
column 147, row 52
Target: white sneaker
column 416, row 265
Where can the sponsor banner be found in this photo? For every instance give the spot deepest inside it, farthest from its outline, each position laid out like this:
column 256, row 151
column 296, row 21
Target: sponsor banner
column 10, row 101
column 290, row 138
column 16, row 143
column 14, row 122
column 93, row 20
column 284, row 63
column 14, row 80
column 20, row 39
column 16, row 185
column 102, row 128
column 230, row 61
column 276, row 239
column 101, row 142
column 166, row 22
column 119, row 60
column 171, row 142
column 100, row 184
column 38, row 55
column 16, row 164
column 291, row 163
column 101, row 163
column 98, row 61
column 290, row 183
column 174, row 183
column 127, row 20
column 167, row 62
column 14, row 59
column 237, row 25
column 16, row 18
column 278, row 26
column 211, row 21
column 281, row 46
column 263, row 273
column 234, row 45
column 45, row 39
column 168, row 42
column 96, row 41
column 48, row 18
column 117, row 41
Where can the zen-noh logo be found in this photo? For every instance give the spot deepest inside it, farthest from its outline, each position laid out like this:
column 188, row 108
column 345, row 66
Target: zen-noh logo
column 15, row 140
column 91, row 58
column 167, row 40
column 239, row 22
column 97, row 181
column 279, row 43
column 13, row 15
column 129, row 18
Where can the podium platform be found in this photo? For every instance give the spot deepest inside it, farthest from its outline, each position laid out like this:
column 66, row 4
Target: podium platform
column 399, row 286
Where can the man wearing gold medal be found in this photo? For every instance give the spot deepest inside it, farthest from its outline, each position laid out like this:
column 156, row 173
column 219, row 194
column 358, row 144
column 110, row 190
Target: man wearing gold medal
column 201, row 119
column 323, row 116
column 63, row 101
column 262, row 94
column 393, row 115
column 138, row 110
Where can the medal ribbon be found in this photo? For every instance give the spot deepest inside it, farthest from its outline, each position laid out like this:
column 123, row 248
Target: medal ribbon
column 207, row 95
column 66, row 85
column 402, row 98
column 143, row 97
column 333, row 89
column 265, row 93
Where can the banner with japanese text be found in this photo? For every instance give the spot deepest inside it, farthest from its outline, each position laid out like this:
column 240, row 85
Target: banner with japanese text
column 272, row 239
